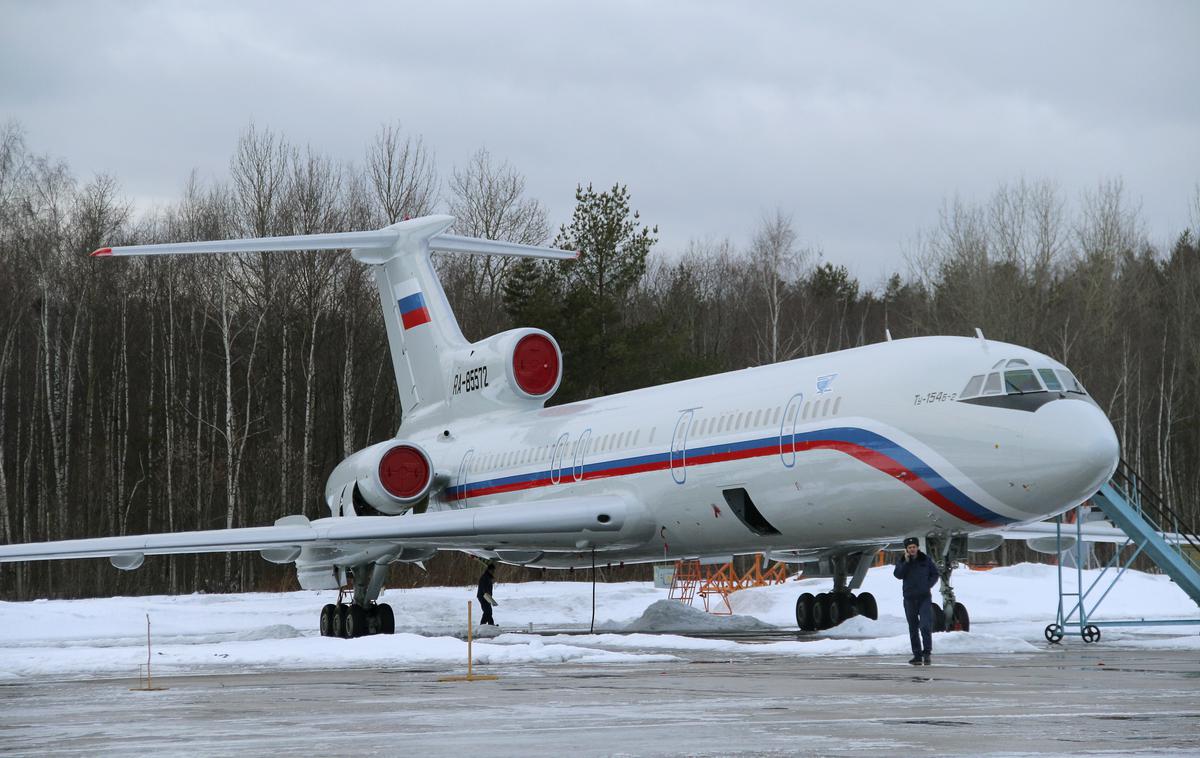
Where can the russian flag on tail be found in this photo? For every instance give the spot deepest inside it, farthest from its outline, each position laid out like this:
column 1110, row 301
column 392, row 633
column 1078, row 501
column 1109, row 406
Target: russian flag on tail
column 413, row 312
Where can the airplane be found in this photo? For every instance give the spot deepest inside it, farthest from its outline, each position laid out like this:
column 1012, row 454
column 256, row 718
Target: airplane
column 820, row 461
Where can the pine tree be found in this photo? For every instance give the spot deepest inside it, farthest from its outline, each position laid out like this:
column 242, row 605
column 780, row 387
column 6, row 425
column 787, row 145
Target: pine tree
column 597, row 336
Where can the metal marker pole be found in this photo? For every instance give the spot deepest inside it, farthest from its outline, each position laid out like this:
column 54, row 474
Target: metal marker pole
column 469, row 639
column 149, row 678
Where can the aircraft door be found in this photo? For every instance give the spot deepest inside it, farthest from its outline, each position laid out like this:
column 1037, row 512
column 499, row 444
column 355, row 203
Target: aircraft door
column 679, row 447
column 787, row 429
column 556, row 460
column 581, row 451
column 464, row 468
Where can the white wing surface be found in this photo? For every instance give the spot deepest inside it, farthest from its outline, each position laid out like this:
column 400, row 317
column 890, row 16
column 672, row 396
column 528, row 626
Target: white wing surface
column 566, row 524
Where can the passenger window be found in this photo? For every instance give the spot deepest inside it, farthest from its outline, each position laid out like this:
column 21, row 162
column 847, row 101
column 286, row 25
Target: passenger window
column 1050, row 379
column 825, row 406
column 636, row 434
column 791, row 414
column 992, row 385
column 837, row 405
column 807, row 408
column 972, row 388
column 775, row 416
column 758, row 417
column 1020, row 381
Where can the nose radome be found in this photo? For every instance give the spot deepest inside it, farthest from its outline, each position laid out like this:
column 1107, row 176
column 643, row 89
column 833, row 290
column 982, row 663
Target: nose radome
column 1071, row 449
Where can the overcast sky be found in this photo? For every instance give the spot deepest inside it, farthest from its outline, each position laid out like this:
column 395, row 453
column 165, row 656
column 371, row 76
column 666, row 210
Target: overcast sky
column 856, row 119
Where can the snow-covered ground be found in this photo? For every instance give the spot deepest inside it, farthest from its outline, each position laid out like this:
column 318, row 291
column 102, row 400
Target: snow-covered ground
column 1009, row 609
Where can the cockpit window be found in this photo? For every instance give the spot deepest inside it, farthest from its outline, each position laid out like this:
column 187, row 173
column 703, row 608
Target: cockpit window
column 1014, row 376
column 973, row 387
column 1070, row 382
column 1022, row 380
column 1050, row 379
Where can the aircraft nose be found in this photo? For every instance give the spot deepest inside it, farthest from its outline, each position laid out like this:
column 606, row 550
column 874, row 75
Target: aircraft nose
column 1071, row 450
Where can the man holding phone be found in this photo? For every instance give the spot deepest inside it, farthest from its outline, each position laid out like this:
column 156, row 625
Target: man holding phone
column 919, row 574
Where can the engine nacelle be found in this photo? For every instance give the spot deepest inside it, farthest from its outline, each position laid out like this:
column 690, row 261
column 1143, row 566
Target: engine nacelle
column 391, row 477
column 520, row 367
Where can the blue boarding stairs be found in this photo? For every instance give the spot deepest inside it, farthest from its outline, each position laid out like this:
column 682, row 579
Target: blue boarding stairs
column 1151, row 526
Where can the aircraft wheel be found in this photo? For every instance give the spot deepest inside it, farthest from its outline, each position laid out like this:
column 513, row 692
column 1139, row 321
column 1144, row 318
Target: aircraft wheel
column 1091, row 633
column 1054, row 634
column 328, row 623
column 341, row 621
column 387, row 619
column 867, row 606
column 846, row 605
column 939, row 618
column 961, row 621
column 356, row 622
column 821, row 608
column 804, row 612
column 833, row 616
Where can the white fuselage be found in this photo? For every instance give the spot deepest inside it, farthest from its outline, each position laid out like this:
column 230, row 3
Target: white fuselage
column 861, row 446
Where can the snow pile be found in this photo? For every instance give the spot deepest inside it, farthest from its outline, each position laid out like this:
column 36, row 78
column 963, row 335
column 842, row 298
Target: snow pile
column 674, row 616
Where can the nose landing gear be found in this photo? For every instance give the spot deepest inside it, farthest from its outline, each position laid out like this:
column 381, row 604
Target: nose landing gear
column 951, row 615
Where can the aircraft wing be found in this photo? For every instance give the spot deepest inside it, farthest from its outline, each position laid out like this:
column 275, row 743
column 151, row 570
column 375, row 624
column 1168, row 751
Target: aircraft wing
column 1091, row 531
column 564, row 524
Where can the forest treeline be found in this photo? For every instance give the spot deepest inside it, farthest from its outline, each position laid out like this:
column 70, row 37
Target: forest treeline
column 201, row 392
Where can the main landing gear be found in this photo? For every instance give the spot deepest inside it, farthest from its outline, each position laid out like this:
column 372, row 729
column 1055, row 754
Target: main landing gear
column 828, row 609
column 356, row 613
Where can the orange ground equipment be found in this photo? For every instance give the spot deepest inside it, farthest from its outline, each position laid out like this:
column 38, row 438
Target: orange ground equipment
column 719, row 581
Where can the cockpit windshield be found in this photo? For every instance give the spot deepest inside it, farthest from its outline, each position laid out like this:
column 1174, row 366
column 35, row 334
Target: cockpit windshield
column 1016, row 377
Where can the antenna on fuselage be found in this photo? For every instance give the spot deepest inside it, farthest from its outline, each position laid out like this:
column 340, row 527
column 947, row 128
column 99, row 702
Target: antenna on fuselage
column 888, row 333
column 982, row 339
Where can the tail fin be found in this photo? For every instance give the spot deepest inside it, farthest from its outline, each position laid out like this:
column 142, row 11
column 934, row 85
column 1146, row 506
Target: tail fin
column 423, row 334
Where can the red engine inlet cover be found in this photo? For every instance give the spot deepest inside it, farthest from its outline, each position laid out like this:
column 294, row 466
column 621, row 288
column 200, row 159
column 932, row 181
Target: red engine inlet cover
column 535, row 364
column 404, row 472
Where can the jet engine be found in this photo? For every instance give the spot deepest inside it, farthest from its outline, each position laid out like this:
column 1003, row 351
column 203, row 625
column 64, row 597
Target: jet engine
column 391, row 477
column 518, row 368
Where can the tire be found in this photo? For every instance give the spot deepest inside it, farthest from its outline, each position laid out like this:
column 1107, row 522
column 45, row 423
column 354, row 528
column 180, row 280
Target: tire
column 1054, row 634
column 939, row 618
column 356, row 622
column 847, row 605
column 804, row 612
column 387, row 619
column 1091, row 633
column 867, row 606
column 821, row 612
column 339, row 626
column 962, row 620
column 329, row 621
column 834, row 615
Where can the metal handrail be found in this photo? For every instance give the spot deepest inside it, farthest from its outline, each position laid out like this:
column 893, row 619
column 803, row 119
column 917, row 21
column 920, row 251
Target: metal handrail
column 1145, row 498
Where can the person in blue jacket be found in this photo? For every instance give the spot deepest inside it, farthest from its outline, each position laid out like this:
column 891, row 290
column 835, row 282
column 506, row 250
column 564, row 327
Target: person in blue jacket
column 919, row 574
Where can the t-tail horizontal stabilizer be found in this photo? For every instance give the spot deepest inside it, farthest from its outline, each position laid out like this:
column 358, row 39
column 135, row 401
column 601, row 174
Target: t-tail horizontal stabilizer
column 429, row 353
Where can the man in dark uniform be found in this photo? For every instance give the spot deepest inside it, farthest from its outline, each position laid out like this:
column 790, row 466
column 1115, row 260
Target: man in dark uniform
column 484, row 594
column 919, row 574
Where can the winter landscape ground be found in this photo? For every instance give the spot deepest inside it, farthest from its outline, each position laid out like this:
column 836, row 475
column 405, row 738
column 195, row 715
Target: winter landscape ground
column 191, row 634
